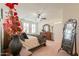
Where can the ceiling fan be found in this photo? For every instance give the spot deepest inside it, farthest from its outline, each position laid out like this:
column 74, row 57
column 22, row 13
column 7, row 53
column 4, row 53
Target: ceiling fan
column 40, row 16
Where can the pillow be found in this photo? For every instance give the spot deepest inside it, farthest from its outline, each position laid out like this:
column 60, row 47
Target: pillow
column 23, row 36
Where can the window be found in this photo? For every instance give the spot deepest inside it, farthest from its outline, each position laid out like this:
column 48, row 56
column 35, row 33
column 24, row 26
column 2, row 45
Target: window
column 26, row 27
column 33, row 28
column 30, row 28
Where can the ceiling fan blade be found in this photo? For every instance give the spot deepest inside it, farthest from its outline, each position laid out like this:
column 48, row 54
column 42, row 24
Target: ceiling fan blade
column 43, row 18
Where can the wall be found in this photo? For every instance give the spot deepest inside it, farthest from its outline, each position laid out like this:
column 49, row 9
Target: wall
column 53, row 12
column 1, row 23
column 30, row 23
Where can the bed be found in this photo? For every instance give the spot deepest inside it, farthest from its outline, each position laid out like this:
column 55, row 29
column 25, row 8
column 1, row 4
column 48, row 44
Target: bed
column 33, row 41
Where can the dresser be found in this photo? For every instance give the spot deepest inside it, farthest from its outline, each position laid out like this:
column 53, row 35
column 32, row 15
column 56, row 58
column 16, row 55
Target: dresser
column 48, row 35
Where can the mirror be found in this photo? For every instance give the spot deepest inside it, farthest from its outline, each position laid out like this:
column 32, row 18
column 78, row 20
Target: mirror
column 46, row 28
column 69, row 37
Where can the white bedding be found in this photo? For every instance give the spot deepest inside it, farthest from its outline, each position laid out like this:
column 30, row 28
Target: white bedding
column 31, row 42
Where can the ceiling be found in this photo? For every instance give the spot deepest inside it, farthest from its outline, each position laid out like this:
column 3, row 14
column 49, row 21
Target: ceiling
column 52, row 10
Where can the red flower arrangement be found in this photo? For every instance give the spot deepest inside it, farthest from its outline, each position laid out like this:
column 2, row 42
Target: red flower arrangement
column 12, row 25
column 11, row 5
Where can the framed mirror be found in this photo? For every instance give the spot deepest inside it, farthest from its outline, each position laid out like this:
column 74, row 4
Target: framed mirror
column 46, row 28
column 69, row 37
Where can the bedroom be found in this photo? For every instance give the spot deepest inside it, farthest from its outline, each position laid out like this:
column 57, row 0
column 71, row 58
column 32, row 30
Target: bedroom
column 33, row 17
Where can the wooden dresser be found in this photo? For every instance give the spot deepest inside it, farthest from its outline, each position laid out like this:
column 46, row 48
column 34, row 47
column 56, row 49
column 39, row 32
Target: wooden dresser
column 47, row 35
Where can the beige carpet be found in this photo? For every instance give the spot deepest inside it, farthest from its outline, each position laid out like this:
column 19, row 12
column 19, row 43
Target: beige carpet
column 51, row 49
